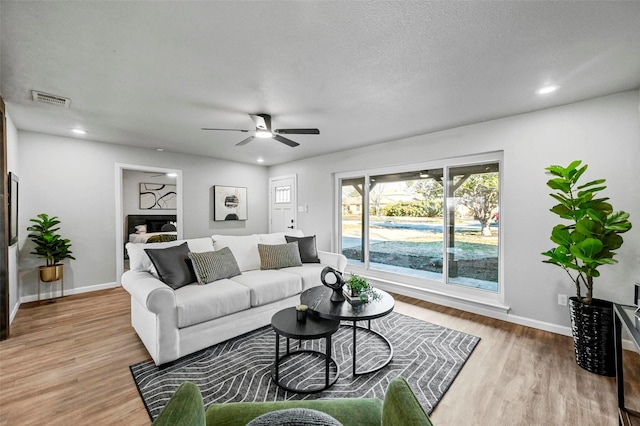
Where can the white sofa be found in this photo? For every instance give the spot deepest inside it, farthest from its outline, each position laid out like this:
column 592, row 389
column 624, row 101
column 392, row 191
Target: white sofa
column 174, row 323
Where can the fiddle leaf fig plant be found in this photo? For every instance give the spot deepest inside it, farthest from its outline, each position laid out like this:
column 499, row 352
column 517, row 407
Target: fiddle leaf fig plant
column 591, row 231
column 49, row 244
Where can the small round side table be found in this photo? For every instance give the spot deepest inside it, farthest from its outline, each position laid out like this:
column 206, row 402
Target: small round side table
column 285, row 324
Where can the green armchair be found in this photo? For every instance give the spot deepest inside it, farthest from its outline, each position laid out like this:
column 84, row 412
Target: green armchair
column 400, row 407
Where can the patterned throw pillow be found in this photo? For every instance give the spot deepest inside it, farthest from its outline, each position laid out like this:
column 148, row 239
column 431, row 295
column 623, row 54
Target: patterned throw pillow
column 295, row 417
column 212, row 266
column 279, row 255
column 161, row 238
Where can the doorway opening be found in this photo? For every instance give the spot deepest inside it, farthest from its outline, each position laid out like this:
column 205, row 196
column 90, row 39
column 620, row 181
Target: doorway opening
column 152, row 196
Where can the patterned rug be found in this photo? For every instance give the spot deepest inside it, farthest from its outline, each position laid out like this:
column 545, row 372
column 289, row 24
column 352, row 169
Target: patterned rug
column 428, row 356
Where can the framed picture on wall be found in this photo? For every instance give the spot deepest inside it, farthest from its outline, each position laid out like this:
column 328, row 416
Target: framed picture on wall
column 157, row 196
column 13, row 208
column 229, row 203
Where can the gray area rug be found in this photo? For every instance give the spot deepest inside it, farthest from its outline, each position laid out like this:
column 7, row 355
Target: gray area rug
column 428, row 356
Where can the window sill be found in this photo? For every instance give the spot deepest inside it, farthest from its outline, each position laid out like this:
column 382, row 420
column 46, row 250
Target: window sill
column 471, row 300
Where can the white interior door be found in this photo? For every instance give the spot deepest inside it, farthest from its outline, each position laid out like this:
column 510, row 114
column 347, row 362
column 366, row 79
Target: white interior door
column 282, row 203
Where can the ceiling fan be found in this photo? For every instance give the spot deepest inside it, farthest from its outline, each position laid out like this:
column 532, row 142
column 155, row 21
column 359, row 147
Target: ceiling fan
column 263, row 130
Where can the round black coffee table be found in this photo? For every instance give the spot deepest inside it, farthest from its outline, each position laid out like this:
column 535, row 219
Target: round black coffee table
column 285, row 323
column 319, row 302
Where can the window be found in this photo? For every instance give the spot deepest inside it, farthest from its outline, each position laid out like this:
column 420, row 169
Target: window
column 352, row 220
column 283, row 194
column 439, row 222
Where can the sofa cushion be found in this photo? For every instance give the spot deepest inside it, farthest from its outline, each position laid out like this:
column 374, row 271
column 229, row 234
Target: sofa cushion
column 173, row 265
column 306, row 247
column 200, row 303
column 275, row 238
column 214, row 265
column 279, row 237
column 295, row 417
column 269, row 286
column 139, row 261
column 308, row 272
column 279, row 256
column 244, row 248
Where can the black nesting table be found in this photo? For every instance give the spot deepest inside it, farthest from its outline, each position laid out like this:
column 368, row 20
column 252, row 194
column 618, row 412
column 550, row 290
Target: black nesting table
column 318, row 301
column 285, row 323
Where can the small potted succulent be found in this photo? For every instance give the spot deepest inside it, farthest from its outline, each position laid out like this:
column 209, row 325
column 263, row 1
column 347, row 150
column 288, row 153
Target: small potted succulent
column 50, row 246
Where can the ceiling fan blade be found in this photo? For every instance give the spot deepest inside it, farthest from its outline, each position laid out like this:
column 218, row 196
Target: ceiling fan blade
column 229, row 130
column 285, row 141
column 245, row 141
column 297, row 131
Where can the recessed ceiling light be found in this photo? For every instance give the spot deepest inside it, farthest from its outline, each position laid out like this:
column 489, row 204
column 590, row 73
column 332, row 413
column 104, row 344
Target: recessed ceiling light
column 79, row 131
column 547, row 89
column 172, row 174
column 159, row 149
column 265, row 134
column 260, row 160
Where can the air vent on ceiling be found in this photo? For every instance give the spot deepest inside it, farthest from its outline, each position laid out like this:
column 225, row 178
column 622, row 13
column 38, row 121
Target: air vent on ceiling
column 46, row 98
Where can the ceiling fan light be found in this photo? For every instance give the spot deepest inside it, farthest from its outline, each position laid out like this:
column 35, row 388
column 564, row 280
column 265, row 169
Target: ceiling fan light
column 265, row 134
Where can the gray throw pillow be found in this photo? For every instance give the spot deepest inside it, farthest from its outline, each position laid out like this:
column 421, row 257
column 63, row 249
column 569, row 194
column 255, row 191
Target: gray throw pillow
column 307, row 248
column 212, row 266
column 295, row 417
column 278, row 256
column 173, row 265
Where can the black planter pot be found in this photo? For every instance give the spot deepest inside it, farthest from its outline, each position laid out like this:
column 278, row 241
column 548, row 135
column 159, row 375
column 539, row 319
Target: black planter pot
column 593, row 335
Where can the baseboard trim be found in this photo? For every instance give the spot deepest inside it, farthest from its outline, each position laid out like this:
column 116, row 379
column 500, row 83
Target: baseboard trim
column 14, row 312
column 71, row 291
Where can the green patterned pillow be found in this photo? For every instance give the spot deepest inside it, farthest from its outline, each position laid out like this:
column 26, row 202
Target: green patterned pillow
column 278, row 256
column 162, row 238
column 212, row 266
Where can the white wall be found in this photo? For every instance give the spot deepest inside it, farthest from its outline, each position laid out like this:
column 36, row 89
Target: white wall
column 12, row 166
column 604, row 133
column 74, row 179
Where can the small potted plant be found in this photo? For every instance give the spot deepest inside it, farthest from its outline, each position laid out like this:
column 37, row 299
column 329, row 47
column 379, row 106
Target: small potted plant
column 585, row 241
column 358, row 289
column 50, row 246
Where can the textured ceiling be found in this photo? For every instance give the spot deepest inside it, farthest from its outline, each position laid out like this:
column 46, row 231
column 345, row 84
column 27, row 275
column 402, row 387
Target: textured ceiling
column 151, row 74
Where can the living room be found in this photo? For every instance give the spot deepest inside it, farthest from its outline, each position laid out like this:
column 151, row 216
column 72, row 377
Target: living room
column 76, row 177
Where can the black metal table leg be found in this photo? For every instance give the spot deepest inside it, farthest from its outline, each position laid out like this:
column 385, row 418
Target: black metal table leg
column 327, row 361
column 275, row 364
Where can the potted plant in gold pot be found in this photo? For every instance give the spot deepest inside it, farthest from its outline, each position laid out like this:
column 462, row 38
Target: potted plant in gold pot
column 50, row 246
column 585, row 241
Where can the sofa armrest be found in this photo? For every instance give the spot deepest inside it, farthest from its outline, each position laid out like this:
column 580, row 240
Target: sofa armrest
column 185, row 407
column 401, row 407
column 149, row 291
column 335, row 260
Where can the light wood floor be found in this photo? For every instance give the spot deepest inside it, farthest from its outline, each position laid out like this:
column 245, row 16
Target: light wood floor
column 67, row 363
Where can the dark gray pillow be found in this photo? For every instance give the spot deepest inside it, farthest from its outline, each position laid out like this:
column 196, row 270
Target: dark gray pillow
column 295, row 417
column 212, row 266
column 307, row 248
column 276, row 256
column 173, row 265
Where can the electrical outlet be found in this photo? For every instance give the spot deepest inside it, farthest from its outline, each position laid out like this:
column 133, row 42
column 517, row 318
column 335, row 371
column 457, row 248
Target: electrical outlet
column 562, row 299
